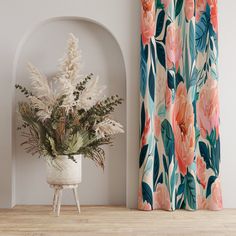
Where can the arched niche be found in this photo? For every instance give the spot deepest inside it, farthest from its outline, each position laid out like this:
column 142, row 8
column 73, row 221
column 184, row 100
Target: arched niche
column 101, row 55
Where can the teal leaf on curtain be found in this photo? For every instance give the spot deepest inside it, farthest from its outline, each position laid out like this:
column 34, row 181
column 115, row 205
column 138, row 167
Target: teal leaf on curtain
column 202, row 28
column 215, row 152
column 156, row 166
column 180, row 189
column 161, row 54
column 194, row 77
column 159, row 4
column 143, row 119
column 151, row 84
column 166, row 166
column 160, row 22
column 160, row 179
column 143, row 154
column 178, row 7
column 191, row 41
column 147, row 193
column 144, row 56
column 179, row 79
column 171, row 80
column 190, row 191
column 168, row 22
column 168, row 138
column 211, row 180
column 205, row 153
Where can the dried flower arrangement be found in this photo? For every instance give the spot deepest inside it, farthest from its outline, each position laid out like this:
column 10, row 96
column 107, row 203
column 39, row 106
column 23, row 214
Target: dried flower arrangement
column 67, row 114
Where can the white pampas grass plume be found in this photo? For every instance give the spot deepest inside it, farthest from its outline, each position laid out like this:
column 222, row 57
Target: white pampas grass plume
column 40, row 85
column 108, row 127
column 90, row 95
column 65, row 89
column 44, row 111
column 69, row 64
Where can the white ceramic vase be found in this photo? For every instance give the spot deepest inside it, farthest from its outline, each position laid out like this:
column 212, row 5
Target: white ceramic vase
column 64, row 171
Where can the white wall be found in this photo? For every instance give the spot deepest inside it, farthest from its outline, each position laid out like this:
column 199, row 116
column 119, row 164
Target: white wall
column 121, row 17
column 227, row 86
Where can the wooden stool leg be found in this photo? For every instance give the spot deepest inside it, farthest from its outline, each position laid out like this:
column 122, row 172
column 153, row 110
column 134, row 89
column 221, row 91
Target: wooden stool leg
column 59, row 201
column 76, row 198
column 55, row 198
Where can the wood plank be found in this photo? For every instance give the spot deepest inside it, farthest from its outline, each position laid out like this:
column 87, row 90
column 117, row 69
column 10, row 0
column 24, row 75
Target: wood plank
column 104, row 220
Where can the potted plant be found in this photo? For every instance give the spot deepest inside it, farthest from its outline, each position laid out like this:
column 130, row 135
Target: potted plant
column 67, row 117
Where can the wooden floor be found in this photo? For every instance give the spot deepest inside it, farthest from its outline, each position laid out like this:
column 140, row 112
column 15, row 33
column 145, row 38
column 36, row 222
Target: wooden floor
column 39, row 221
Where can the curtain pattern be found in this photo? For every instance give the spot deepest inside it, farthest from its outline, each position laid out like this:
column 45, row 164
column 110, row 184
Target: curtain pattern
column 179, row 129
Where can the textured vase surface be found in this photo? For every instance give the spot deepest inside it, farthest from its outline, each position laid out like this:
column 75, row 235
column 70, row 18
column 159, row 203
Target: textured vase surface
column 64, row 170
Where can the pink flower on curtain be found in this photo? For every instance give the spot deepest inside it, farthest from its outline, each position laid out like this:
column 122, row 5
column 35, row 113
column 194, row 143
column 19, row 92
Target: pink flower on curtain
column 208, row 108
column 201, row 171
column 200, row 8
column 145, row 206
column 189, row 9
column 147, row 20
column 215, row 200
column 147, row 5
column 201, row 202
column 183, row 127
column 157, row 126
column 214, row 14
column 173, row 46
column 166, row 3
column 162, row 198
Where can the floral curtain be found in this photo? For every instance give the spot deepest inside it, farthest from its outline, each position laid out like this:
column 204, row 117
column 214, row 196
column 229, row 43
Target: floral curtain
column 179, row 127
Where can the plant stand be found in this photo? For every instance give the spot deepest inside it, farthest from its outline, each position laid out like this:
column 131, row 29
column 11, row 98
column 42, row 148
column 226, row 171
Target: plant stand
column 56, row 206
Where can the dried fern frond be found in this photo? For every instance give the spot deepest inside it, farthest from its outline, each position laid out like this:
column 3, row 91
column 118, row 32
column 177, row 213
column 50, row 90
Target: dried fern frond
column 90, row 95
column 24, row 90
column 95, row 152
column 27, row 113
column 32, row 143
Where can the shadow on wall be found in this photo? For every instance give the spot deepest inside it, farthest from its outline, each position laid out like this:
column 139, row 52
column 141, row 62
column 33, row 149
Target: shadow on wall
column 102, row 56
